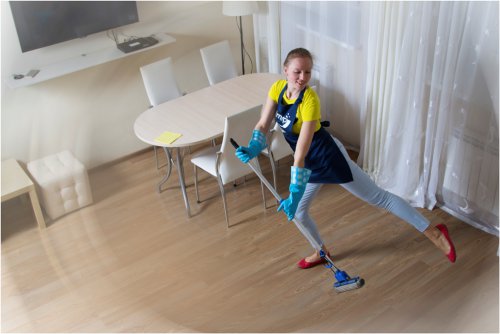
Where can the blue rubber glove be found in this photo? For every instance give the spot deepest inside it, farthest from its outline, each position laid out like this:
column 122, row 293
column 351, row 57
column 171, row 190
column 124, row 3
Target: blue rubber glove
column 298, row 181
column 256, row 144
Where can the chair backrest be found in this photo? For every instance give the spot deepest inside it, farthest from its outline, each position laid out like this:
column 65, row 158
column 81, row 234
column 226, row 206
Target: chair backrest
column 278, row 144
column 240, row 128
column 219, row 62
column 159, row 81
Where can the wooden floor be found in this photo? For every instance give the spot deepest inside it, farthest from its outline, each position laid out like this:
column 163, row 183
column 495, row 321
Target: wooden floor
column 134, row 262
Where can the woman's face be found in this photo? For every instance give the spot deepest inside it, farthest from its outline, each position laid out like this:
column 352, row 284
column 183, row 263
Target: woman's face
column 298, row 73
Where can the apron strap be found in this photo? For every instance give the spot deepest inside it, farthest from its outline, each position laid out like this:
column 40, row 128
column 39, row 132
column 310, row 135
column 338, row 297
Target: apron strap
column 297, row 101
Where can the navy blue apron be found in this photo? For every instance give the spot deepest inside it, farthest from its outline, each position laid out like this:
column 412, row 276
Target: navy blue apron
column 324, row 158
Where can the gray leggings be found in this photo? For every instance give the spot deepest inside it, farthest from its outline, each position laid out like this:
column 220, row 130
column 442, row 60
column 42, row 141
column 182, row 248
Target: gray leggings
column 364, row 188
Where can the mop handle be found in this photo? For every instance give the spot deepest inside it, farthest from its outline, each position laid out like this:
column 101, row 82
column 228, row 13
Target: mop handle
column 278, row 197
column 299, row 225
column 261, row 177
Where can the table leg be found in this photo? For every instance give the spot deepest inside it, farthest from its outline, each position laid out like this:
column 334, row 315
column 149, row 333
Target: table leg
column 180, row 169
column 36, row 208
column 169, row 169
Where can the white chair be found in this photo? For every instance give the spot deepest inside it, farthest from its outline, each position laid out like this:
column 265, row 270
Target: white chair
column 161, row 86
column 221, row 161
column 277, row 149
column 219, row 62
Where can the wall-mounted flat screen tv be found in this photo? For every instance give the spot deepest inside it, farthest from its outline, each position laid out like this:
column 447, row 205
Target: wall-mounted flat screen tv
column 44, row 23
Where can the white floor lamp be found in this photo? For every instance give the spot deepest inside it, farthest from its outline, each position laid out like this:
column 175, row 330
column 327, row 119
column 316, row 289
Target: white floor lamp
column 240, row 8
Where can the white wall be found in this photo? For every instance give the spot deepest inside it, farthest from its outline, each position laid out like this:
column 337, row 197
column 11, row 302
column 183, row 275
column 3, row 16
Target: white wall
column 91, row 112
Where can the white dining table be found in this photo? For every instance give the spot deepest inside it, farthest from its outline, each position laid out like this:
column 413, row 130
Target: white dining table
column 200, row 116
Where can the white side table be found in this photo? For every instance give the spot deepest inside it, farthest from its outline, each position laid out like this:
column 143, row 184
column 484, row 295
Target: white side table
column 15, row 182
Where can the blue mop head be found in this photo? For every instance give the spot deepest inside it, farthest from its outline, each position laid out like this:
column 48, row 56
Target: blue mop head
column 344, row 282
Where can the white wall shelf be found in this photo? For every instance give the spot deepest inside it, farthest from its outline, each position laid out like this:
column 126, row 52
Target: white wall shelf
column 81, row 62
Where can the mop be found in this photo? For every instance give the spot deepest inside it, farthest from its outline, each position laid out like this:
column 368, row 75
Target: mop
column 343, row 281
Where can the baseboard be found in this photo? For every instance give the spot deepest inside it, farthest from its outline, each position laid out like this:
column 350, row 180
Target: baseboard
column 120, row 159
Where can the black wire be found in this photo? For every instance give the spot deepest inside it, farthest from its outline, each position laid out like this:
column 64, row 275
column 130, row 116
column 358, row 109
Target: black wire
column 245, row 52
column 113, row 35
column 129, row 37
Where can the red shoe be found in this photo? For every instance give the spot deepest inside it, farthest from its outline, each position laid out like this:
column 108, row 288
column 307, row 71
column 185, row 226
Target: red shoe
column 452, row 255
column 303, row 264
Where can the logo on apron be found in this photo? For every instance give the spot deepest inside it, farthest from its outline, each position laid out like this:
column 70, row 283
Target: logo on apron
column 283, row 121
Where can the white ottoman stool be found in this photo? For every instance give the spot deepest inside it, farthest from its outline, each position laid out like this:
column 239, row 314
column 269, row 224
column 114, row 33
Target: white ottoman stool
column 62, row 182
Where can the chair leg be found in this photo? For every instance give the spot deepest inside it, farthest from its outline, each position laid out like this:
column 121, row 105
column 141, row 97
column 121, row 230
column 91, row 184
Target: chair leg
column 169, row 157
column 263, row 195
column 223, row 193
column 156, row 157
column 196, row 183
column 168, row 167
column 263, row 189
column 170, row 161
column 273, row 167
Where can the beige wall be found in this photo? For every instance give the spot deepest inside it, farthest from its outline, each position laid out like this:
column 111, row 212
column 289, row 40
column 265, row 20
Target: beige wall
column 91, row 112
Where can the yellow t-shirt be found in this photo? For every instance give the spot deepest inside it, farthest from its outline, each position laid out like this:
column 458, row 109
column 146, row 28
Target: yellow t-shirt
column 308, row 110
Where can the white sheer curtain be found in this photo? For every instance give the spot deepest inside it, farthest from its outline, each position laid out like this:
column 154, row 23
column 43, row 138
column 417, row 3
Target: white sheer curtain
column 415, row 85
column 336, row 48
column 266, row 31
column 431, row 128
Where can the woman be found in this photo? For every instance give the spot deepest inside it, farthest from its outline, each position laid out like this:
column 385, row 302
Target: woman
column 319, row 158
